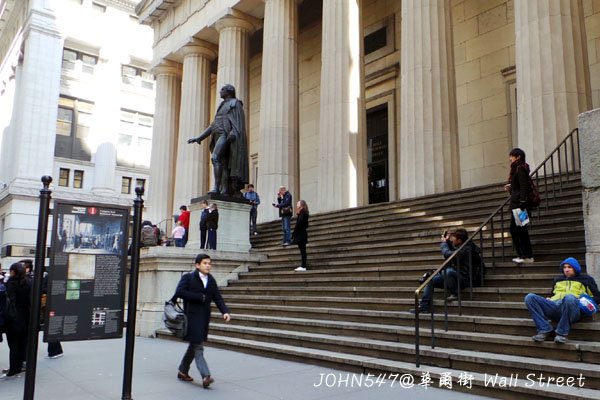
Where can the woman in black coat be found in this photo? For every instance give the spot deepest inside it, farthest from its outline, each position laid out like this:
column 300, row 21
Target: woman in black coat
column 300, row 235
column 18, row 292
column 519, row 187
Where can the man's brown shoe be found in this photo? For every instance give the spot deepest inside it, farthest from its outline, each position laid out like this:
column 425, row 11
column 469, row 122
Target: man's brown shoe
column 207, row 381
column 184, row 377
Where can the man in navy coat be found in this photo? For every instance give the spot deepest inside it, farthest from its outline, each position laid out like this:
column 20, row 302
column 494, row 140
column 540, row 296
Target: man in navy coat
column 198, row 289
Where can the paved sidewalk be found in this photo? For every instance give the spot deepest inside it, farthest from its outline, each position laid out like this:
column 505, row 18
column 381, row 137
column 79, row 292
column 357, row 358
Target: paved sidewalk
column 94, row 371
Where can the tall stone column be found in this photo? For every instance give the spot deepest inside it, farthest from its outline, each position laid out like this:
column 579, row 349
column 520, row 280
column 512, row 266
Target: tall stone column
column 278, row 138
column 107, row 82
column 29, row 153
column 552, row 87
column 164, row 141
column 428, row 132
column 234, row 55
column 192, row 165
column 342, row 157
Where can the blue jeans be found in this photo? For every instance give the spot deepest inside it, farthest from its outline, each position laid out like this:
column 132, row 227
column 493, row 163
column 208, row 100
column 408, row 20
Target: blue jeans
column 179, row 242
column 285, row 226
column 253, row 220
column 438, row 282
column 565, row 312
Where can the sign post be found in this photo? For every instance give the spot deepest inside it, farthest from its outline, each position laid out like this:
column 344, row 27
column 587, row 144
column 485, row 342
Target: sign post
column 138, row 205
column 34, row 317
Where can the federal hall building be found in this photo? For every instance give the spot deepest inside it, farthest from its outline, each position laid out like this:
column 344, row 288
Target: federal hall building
column 353, row 102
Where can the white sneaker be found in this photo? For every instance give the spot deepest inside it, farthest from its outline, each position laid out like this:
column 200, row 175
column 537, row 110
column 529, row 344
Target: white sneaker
column 55, row 356
column 518, row 260
column 300, row 269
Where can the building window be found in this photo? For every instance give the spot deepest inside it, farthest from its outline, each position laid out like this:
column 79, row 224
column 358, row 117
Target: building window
column 78, row 179
column 63, row 178
column 73, row 125
column 126, row 185
column 64, row 121
column 379, row 39
column 254, row 169
column 74, row 60
column 376, row 40
column 99, row 7
column 136, row 76
column 134, row 140
column 140, row 183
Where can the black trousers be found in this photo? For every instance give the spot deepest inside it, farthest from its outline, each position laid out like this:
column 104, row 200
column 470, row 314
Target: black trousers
column 203, row 238
column 212, row 239
column 520, row 238
column 17, row 345
column 302, row 248
column 54, row 349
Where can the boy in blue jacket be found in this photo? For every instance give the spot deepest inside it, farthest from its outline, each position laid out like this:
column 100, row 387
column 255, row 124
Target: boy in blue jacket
column 563, row 306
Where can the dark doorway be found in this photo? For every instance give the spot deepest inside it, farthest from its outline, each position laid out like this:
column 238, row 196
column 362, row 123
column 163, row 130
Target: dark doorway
column 377, row 151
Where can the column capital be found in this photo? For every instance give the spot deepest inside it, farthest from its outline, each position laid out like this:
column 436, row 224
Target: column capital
column 167, row 67
column 238, row 19
column 199, row 48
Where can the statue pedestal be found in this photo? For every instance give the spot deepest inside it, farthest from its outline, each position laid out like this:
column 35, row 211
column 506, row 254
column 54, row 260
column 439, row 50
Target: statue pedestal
column 233, row 233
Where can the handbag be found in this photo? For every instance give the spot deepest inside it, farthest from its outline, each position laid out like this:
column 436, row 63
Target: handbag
column 175, row 319
column 534, row 199
column 286, row 211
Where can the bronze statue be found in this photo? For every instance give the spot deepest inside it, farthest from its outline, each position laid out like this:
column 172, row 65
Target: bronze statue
column 228, row 146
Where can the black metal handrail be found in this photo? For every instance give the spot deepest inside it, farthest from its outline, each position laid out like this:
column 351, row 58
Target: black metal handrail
column 549, row 182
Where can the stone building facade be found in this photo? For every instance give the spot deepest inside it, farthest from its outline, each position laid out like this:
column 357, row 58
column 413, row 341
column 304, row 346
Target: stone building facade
column 76, row 103
column 351, row 102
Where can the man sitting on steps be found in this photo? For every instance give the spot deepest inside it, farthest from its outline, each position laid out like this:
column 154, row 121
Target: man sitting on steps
column 450, row 243
column 563, row 306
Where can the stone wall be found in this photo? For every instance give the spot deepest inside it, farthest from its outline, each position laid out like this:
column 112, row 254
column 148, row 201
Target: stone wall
column 484, row 45
column 589, row 136
column 591, row 11
column 160, row 271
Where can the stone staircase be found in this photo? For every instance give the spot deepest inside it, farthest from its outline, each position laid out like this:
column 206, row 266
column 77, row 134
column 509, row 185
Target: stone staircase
column 350, row 310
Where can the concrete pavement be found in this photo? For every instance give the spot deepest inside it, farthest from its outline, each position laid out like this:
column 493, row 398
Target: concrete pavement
column 93, row 370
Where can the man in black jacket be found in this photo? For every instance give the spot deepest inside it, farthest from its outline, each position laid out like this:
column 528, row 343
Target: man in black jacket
column 458, row 270
column 198, row 289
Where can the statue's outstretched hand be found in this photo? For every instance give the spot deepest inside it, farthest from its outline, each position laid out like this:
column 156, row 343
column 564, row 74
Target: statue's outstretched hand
column 194, row 140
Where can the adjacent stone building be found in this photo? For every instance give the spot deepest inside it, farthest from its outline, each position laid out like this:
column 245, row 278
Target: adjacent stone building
column 352, row 102
column 76, row 103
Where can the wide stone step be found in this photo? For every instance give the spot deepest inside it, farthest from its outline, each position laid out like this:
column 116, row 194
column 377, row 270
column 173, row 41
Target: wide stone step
column 490, row 196
column 429, row 226
column 366, row 364
column 575, row 351
column 283, row 272
column 467, row 307
column 479, row 294
column 586, row 330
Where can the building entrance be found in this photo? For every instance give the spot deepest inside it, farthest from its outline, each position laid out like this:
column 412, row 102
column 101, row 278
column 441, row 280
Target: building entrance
column 377, row 154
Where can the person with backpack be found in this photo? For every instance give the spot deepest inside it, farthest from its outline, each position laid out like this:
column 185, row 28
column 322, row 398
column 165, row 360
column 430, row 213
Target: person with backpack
column 458, row 270
column 148, row 235
column 18, row 308
column 521, row 188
